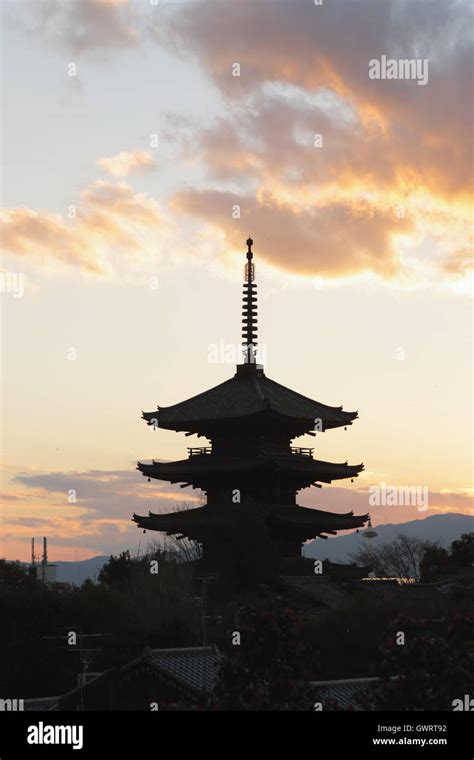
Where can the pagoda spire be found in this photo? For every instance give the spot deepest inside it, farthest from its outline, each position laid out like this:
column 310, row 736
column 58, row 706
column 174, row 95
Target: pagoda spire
column 249, row 309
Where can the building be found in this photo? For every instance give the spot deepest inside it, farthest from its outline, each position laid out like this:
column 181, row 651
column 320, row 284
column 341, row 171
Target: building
column 251, row 473
column 184, row 679
column 42, row 570
column 159, row 679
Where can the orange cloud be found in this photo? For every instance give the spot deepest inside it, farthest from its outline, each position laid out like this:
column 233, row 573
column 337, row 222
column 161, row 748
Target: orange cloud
column 388, row 147
column 332, row 238
column 110, row 219
column 328, row 48
column 99, row 521
column 459, row 261
column 126, row 162
column 276, row 139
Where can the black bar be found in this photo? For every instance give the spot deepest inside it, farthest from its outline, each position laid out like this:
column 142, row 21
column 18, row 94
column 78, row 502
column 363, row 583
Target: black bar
column 311, row 734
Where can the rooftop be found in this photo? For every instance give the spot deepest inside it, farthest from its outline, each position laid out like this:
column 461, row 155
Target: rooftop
column 250, row 395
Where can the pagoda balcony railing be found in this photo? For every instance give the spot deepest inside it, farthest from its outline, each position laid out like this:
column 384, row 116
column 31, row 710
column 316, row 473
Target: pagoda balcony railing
column 197, row 451
column 299, row 451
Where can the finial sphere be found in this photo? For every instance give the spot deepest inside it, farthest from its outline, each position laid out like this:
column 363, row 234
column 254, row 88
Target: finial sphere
column 249, row 242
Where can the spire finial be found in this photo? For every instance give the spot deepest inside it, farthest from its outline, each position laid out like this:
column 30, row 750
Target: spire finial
column 249, row 310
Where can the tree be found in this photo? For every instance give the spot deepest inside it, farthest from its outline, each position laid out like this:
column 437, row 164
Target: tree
column 400, row 558
column 434, row 667
column 117, row 572
column 267, row 669
column 13, row 575
column 438, row 563
column 435, row 563
column 462, row 550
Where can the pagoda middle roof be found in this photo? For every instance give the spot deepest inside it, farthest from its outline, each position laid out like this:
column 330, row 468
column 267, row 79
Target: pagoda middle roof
column 208, row 518
column 203, row 466
column 250, row 392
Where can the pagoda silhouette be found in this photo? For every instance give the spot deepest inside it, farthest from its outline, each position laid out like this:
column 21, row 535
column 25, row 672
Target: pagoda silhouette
column 251, row 526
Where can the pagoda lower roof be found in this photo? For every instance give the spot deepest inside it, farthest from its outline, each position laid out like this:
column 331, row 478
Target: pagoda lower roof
column 203, row 520
column 325, row 521
column 247, row 394
column 201, row 467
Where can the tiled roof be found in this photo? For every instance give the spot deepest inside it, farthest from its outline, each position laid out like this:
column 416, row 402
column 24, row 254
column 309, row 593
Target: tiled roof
column 317, row 591
column 350, row 694
column 41, row 703
column 319, row 519
column 313, row 521
column 200, row 467
column 196, row 667
column 244, row 395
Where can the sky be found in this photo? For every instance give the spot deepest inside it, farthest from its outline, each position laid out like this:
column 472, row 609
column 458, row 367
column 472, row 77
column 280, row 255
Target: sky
column 142, row 142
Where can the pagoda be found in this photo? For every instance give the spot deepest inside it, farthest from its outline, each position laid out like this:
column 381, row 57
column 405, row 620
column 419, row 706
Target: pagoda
column 249, row 472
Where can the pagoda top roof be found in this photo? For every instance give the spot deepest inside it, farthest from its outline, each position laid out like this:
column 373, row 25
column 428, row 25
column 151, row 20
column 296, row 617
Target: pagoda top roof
column 250, row 392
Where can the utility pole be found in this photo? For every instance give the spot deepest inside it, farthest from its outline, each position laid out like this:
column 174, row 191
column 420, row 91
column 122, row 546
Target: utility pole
column 85, row 654
column 203, row 599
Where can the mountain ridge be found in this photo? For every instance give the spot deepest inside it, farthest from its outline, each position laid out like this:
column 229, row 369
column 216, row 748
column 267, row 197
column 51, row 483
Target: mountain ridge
column 442, row 529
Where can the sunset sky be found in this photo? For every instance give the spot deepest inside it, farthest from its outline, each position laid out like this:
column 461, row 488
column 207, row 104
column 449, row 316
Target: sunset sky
column 119, row 196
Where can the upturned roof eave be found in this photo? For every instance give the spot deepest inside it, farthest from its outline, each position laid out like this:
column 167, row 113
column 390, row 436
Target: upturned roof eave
column 243, row 396
column 188, row 470
column 204, row 518
column 203, row 424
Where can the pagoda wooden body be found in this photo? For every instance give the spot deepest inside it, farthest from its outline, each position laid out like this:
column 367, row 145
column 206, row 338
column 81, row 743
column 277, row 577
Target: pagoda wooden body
column 249, row 469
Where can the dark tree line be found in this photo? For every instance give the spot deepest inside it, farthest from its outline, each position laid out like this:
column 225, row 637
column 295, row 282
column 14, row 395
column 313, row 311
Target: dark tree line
column 155, row 601
column 130, row 606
